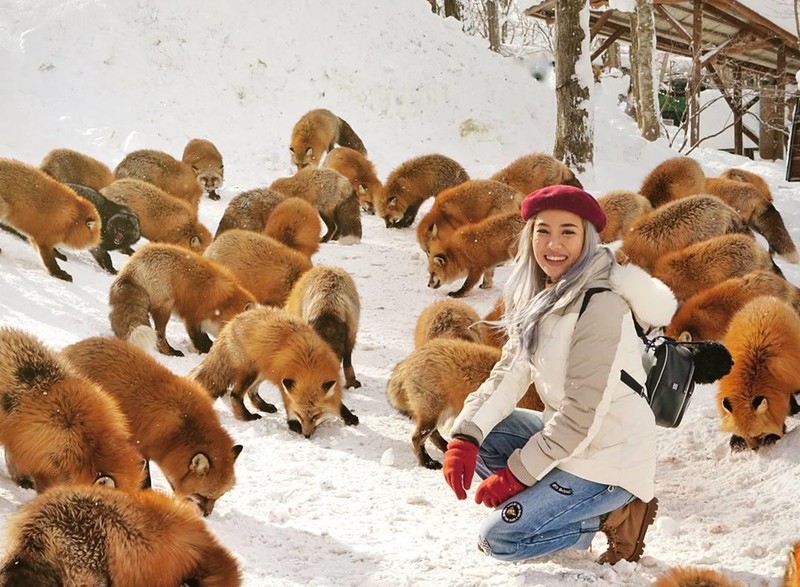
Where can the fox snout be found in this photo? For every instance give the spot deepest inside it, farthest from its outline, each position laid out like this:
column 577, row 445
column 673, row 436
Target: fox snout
column 434, row 281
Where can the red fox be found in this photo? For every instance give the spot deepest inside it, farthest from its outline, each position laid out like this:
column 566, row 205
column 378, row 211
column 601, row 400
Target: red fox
column 359, row 171
column 172, row 419
column 448, row 319
column 162, row 218
column 413, row 182
column 58, row 428
column 165, row 172
column 94, row 536
column 474, row 249
column 316, row 132
column 160, row 279
column 791, row 576
column 748, row 177
column 704, row 264
column 333, row 197
column 693, row 577
column 263, row 266
column 47, row 212
column 705, row 315
column 676, row 225
column 249, row 210
column 68, row 166
column 327, row 299
column 466, row 203
column 531, row 172
column 295, row 223
column 206, row 163
column 430, row 386
column 756, row 397
column 673, row 179
column 622, row 209
column 269, row 344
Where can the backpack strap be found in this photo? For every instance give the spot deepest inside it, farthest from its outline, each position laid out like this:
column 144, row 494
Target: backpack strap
column 588, row 296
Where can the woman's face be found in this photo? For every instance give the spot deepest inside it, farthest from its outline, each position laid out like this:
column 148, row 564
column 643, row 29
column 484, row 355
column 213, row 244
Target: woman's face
column 557, row 241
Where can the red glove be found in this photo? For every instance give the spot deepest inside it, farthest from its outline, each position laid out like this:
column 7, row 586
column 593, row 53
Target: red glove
column 497, row 488
column 460, row 459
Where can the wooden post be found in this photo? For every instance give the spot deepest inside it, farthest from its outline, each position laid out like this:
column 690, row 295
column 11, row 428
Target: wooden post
column 782, row 134
column 693, row 87
column 738, row 135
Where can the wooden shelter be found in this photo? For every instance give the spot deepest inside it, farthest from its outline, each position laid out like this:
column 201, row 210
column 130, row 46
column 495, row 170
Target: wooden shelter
column 728, row 42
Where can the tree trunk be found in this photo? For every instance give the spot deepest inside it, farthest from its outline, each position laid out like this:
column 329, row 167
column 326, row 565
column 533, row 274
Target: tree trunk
column 434, row 6
column 493, row 25
column 451, row 8
column 611, row 56
column 633, row 89
column 574, row 143
column 645, row 40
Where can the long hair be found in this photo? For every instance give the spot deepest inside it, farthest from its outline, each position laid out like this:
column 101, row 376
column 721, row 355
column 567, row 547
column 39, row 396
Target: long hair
column 525, row 296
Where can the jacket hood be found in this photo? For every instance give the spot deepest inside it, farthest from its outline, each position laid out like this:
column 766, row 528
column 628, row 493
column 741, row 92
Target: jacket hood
column 652, row 302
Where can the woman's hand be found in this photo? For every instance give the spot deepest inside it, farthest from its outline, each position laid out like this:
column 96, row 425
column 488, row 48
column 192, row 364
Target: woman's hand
column 497, row 488
column 460, row 459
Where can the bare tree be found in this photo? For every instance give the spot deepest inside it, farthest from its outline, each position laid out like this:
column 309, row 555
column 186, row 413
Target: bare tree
column 574, row 143
column 452, row 8
column 647, row 116
column 493, row 25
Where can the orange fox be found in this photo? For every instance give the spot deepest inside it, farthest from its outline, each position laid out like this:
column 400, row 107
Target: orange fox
column 791, row 576
column 474, row 249
column 95, row 536
column 172, row 419
column 448, row 319
column 56, row 427
column 327, row 299
column 531, row 172
column 706, row 315
column 704, row 264
column 295, row 223
column 263, row 266
column 693, row 577
column 47, row 212
column 160, row 279
column 413, row 182
column 359, row 171
column 68, row 166
column 466, row 203
column 206, row 163
column 756, row 397
column 162, row 218
column 249, row 210
column 676, row 225
column 316, row 132
column 622, row 209
column 430, row 386
column 165, row 172
column 673, row 179
column 494, row 335
column 269, row 344
column 748, row 177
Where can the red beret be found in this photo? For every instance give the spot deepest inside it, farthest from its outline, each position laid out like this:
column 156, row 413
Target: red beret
column 564, row 197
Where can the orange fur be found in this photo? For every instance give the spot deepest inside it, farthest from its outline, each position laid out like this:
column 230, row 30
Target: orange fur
column 327, row 299
column 91, row 536
column 162, row 217
column 531, row 172
column 677, row 225
column 622, row 209
column 448, row 319
column 494, row 335
column 430, row 386
column 704, row 264
column 359, row 171
column 165, row 172
column 413, row 182
column 693, row 577
column 172, row 419
column 474, row 249
column 295, row 223
column 466, row 203
column 249, row 210
column 68, row 166
column 263, row 266
column 316, row 132
column 58, row 428
column 754, row 398
column 269, row 344
column 47, row 212
column 791, row 576
column 673, row 179
column 160, row 279
column 202, row 156
column 706, row 315
column 748, row 177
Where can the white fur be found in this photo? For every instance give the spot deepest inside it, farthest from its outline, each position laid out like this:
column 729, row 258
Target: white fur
column 652, row 302
column 143, row 337
column 350, row 239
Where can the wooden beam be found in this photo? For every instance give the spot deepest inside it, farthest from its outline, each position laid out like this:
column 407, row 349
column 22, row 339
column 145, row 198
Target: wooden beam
column 600, row 22
column 541, row 8
column 756, row 18
column 678, row 27
column 613, row 37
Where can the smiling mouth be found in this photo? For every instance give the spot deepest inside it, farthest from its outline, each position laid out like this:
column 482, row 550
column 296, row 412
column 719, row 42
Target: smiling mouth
column 554, row 259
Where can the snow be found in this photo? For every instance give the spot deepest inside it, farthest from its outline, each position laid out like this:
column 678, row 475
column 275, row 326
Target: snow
column 350, row 506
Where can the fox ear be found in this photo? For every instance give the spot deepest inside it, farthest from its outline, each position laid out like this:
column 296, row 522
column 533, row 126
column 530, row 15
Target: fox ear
column 287, row 384
column 309, row 152
column 440, row 259
column 237, row 449
column 194, row 242
column 199, row 464
column 291, row 149
column 391, row 203
column 726, row 404
column 433, row 230
column 362, row 189
column 327, row 387
column 685, row 336
column 90, row 222
column 760, row 404
column 105, row 481
column 249, row 306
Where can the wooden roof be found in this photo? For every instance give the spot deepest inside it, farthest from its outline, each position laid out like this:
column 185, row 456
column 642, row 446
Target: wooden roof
column 731, row 32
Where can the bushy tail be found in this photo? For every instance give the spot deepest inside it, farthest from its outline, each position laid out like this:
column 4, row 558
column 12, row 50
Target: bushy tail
column 770, row 224
column 27, row 572
column 215, row 373
column 130, row 312
column 347, row 216
column 396, row 391
column 349, row 138
column 693, row 577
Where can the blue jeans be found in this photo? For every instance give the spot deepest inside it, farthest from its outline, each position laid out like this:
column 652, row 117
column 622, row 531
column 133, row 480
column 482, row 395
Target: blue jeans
column 560, row 511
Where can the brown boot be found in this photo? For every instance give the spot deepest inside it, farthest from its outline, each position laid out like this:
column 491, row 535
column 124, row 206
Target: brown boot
column 625, row 528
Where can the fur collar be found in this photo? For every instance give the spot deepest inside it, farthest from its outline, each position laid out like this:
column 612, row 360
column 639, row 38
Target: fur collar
column 652, row 302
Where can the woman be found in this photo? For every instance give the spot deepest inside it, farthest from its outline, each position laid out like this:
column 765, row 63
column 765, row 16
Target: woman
column 587, row 462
